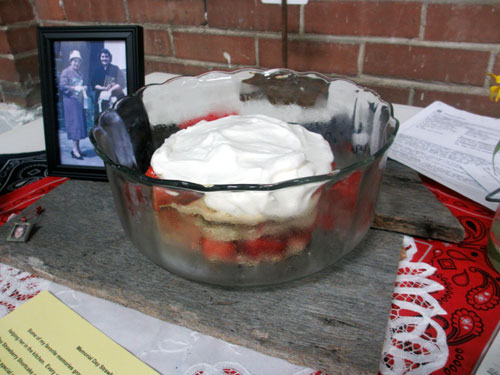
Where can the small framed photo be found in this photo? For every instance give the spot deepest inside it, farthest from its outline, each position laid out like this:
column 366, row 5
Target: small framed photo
column 20, row 232
column 84, row 70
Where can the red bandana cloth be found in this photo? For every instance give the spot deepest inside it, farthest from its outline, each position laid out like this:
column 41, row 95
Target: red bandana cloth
column 14, row 202
column 471, row 294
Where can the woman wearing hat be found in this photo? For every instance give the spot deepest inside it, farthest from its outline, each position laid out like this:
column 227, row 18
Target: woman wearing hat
column 74, row 93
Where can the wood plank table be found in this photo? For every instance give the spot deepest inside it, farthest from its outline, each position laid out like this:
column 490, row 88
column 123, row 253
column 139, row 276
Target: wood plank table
column 334, row 320
column 406, row 205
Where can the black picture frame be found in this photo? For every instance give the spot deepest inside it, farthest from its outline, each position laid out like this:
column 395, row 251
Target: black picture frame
column 56, row 46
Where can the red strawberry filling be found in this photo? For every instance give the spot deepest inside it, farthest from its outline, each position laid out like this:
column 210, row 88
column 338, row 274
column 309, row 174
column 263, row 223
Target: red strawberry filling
column 183, row 228
column 263, row 246
column 209, row 117
column 340, row 197
column 218, row 250
column 164, row 196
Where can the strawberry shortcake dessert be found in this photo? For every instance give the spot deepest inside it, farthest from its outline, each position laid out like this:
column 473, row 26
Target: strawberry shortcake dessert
column 244, row 226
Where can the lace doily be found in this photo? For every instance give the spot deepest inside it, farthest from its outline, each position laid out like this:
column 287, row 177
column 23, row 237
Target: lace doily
column 231, row 368
column 16, row 287
column 164, row 346
column 415, row 343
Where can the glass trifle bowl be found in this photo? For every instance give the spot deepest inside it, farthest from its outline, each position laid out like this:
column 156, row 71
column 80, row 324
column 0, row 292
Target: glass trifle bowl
column 316, row 219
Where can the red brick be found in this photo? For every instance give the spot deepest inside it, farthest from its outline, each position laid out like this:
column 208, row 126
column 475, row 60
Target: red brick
column 23, row 95
column 4, row 43
column 28, row 68
column 392, row 94
column 95, row 10
column 305, row 55
column 463, row 23
column 12, row 11
column 206, row 47
column 21, row 39
column 174, row 68
column 250, row 15
column 49, row 10
column 8, row 71
column 397, row 19
column 172, row 12
column 19, row 70
column 157, row 42
column 426, row 63
column 478, row 104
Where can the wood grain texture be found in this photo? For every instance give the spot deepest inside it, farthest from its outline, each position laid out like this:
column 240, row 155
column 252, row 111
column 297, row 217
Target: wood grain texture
column 406, row 206
column 334, row 320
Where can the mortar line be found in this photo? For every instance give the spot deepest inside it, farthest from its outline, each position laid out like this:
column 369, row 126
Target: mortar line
column 423, row 22
column 127, row 13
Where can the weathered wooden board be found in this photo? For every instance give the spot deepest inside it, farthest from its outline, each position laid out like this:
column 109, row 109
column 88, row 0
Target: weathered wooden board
column 334, row 320
column 405, row 205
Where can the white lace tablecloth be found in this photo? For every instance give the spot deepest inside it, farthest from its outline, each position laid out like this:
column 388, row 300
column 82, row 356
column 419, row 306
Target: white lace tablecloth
column 410, row 347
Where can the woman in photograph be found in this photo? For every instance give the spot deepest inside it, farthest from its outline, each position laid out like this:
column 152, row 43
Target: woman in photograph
column 108, row 81
column 19, row 231
column 74, row 95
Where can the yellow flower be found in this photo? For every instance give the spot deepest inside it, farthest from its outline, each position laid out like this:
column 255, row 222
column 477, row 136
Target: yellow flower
column 495, row 89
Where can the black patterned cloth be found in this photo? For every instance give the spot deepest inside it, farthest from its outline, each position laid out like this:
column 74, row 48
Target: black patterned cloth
column 17, row 170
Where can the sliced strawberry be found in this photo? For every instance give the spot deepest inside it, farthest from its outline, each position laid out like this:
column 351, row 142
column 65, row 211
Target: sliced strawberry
column 326, row 220
column 218, row 250
column 170, row 219
column 322, row 187
column 209, row 117
column 349, row 184
column 151, row 173
column 164, row 196
column 345, row 192
column 179, row 228
column 263, row 246
column 337, row 200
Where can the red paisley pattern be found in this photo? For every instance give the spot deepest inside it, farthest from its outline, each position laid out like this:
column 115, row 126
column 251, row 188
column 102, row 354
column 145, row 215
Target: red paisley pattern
column 487, row 295
column 472, row 286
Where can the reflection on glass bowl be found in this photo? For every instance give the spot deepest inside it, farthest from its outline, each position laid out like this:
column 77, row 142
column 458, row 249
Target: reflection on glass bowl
column 169, row 221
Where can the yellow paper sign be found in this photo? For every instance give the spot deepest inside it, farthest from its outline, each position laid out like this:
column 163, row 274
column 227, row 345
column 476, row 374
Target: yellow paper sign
column 45, row 337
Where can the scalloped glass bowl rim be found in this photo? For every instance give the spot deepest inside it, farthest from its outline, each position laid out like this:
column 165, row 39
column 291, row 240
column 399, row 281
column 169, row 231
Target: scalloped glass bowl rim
column 335, row 175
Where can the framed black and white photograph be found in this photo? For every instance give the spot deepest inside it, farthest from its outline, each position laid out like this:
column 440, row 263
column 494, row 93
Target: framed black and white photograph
column 83, row 71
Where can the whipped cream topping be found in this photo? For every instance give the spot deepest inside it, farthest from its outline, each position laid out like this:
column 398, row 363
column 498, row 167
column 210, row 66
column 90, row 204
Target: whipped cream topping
column 252, row 149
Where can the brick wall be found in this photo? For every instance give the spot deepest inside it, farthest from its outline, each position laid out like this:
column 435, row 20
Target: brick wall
column 19, row 77
column 411, row 52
